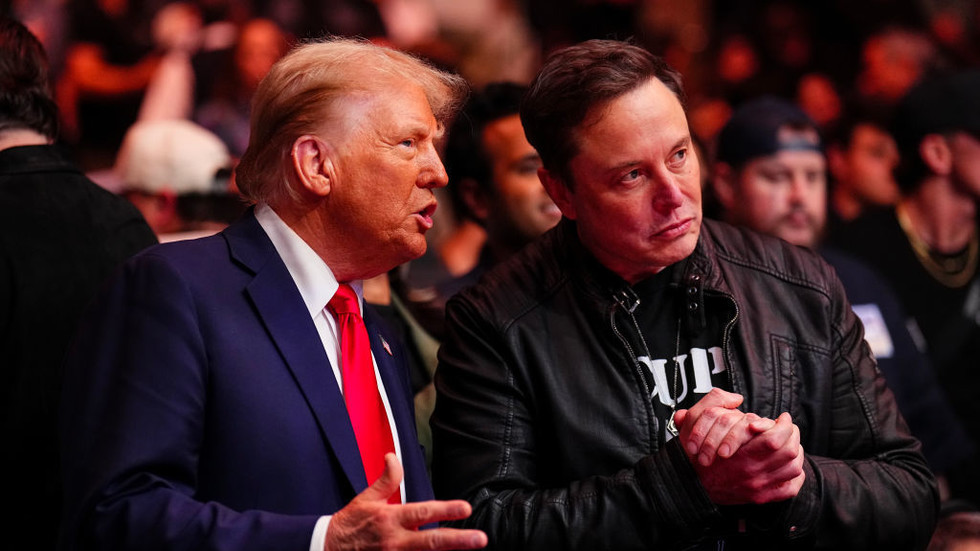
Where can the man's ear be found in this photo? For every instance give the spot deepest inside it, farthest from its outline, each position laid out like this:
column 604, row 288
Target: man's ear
column 936, row 154
column 559, row 192
column 313, row 165
column 475, row 199
column 723, row 185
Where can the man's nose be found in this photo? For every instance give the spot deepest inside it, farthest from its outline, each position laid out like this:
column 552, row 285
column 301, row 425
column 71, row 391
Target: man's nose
column 433, row 173
column 669, row 195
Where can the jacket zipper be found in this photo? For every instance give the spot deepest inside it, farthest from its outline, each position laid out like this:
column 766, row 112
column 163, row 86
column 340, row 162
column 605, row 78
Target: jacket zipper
column 725, row 339
column 629, row 303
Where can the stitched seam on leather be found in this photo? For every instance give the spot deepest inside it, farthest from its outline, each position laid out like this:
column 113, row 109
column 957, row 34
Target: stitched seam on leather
column 507, row 447
column 800, row 281
column 862, row 399
column 534, row 304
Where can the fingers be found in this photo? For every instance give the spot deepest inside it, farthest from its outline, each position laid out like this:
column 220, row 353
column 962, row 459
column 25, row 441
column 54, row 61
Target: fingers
column 747, row 428
column 445, row 538
column 783, row 434
column 717, row 398
column 679, row 417
column 413, row 515
column 697, row 422
column 387, row 483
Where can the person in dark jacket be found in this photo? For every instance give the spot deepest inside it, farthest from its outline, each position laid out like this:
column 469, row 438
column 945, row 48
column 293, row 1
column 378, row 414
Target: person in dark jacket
column 60, row 236
column 770, row 175
column 641, row 379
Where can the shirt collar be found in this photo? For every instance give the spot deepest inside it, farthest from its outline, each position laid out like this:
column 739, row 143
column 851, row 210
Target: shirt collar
column 313, row 278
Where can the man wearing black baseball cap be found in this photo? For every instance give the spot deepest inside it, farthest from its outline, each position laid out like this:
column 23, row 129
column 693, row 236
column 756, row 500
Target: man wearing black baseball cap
column 770, row 175
column 928, row 246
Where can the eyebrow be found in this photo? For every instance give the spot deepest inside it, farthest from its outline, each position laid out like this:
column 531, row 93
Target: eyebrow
column 684, row 141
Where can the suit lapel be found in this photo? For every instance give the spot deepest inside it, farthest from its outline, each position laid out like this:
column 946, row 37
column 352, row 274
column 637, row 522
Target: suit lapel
column 394, row 377
column 390, row 369
column 283, row 313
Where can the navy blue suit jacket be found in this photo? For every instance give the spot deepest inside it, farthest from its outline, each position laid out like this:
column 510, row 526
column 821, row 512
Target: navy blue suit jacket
column 200, row 410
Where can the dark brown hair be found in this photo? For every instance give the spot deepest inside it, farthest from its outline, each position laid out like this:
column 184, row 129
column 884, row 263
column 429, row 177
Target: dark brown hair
column 25, row 93
column 577, row 79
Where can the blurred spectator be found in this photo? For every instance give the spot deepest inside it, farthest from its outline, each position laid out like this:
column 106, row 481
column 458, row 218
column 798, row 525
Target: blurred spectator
column 892, row 60
column 108, row 66
column 564, row 22
column 770, row 176
column 817, row 95
column 958, row 529
column 177, row 174
column 229, row 78
column 861, row 158
column 48, row 21
column 927, row 247
column 492, row 39
column 178, row 31
column 317, row 18
column 60, row 236
column 953, row 23
column 493, row 175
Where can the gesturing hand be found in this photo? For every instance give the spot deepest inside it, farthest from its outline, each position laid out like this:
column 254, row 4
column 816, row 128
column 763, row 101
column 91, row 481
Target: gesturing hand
column 369, row 522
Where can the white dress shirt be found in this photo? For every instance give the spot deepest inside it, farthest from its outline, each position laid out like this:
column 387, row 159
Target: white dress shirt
column 317, row 285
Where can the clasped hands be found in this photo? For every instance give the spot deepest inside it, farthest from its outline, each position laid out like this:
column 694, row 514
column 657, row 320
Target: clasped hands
column 740, row 457
column 370, row 522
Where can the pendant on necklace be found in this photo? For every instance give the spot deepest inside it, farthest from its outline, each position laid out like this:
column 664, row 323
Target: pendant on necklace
column 671, row 427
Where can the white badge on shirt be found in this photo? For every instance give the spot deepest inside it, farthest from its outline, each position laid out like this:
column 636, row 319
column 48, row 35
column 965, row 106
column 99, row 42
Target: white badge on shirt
column 875, row 330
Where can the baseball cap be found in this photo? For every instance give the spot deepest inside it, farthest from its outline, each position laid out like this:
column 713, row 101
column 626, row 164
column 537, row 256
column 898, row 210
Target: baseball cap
column 176, row 155
column 754, row 131
column 936, row 105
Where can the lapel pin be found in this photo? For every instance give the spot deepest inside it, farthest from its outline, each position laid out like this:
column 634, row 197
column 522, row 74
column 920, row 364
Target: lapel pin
column 387, row 348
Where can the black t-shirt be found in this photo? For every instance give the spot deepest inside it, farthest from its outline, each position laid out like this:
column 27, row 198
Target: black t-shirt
column 682, row 365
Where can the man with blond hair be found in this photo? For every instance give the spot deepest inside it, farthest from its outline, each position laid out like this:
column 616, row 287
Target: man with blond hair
column 227, row 392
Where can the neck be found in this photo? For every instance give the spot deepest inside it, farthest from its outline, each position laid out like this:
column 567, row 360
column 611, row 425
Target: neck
column 17, row 137
column 330, row 242
column 943, row 217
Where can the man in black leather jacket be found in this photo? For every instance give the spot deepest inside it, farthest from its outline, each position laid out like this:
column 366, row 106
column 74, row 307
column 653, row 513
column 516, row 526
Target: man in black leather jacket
column 640, row 379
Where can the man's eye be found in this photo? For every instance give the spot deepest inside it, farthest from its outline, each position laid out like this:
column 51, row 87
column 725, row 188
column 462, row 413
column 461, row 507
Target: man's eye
column 407, row 143
column 631, row 175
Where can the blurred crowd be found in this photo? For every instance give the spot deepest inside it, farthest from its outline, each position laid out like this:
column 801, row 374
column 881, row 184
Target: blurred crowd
column 118, row 60
column 154, row 100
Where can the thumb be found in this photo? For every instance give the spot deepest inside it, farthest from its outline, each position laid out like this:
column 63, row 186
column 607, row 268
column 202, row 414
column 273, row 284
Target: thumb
column 679, row 417
column 388, row 482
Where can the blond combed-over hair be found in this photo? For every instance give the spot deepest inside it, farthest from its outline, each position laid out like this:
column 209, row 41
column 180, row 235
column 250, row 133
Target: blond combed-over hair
column 301, row 89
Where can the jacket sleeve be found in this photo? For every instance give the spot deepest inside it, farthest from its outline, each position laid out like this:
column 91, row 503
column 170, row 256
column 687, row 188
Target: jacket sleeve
column 867, row 485
column 134, row 406
column 486, row 450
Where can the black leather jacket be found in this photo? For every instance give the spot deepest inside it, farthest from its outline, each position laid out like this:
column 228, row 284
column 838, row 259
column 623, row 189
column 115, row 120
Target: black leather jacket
column 544, row 423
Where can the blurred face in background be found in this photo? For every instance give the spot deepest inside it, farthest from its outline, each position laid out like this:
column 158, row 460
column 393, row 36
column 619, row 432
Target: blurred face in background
column 260, row 45
column 519, row 209
column 783, row 194
column 864, row 169
column 965, row 149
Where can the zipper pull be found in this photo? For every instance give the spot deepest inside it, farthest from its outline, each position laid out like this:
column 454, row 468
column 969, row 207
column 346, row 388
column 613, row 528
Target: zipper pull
column 627, row 299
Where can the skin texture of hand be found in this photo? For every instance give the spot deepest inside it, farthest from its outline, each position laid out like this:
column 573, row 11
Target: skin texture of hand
column 369, row 522
column 741, row 457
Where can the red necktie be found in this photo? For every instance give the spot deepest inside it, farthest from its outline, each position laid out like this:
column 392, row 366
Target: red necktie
column 367, row 412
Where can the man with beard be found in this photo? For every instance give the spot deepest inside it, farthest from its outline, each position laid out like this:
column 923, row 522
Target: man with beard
column 770, row 175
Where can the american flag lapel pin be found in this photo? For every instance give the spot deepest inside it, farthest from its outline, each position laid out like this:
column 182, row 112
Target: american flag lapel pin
column 387, row 348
